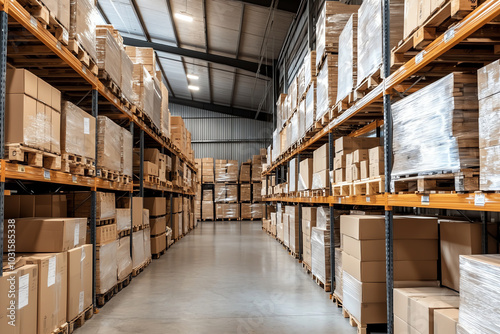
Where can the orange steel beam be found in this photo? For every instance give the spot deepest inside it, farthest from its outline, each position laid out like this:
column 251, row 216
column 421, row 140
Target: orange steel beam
column 370, row 127
column 491, row 202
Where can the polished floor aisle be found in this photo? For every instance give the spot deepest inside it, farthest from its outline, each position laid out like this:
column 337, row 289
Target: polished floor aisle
column 226, row 277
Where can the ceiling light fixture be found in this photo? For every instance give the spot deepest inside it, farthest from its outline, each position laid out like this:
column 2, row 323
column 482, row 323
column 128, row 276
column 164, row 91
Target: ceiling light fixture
column 193, row 76
column 191, row 87
column 184, row 16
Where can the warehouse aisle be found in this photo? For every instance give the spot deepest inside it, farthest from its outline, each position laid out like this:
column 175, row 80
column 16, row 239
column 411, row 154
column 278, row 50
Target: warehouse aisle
column 222, row 278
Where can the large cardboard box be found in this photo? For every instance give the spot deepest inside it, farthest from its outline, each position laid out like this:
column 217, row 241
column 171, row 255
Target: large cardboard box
column 207, row 210
column 79, row 281
column 21, row 81
column 19, row 206
column 346, row 145
column 445, row 321
column 108, row 144
column 106, row 266
column 158, row 243
column 176, row 224
column 306, row 173
column 104, row 234
column 457, row 238
column 157, row 206
column 339, row 161
column 36, row 235
column 23, row 312
column 321, row 180
column 138, row 250
column 80, row 204
column 77, row 131
column 123, row 258
column 52, row 289
column 158, row 225
column 320, row 158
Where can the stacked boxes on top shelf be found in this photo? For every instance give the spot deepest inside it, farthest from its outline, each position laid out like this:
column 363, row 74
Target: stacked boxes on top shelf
column 157, row 210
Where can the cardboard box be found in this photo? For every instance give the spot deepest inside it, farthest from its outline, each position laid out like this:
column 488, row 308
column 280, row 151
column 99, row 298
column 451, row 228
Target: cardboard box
column 19, row 206
column 207, row 210
column 364, row 171
column 309, row 213
column 359, row 155
column 145, row 217
column 445, row 321
column 137, row 206
column 376, row 169
column 123, row 259
column 376, row 154
column 245, row 192
column 157, row 206
column 21, row 81
column 410, row 17
column 36, row 235
column 346, row 145
column 320, row 158
column 158, row 225
column 176, row 222
column 24, row 281
column 150, row 168
column 339, row 162
column 23, row 122
column 457, row 238
column 306, row 173
column 55, row 131
column 321, row 180
column 158, row 243
column 79, row 281
column 106, row 266
column 355, row 173
column 340, row 175
column 374, row 271
column 52, row 289
column 104, row 234
column 246, row 210
column 348, row 173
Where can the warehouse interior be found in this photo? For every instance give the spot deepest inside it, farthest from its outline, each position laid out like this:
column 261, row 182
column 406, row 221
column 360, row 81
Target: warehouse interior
column 249, row 166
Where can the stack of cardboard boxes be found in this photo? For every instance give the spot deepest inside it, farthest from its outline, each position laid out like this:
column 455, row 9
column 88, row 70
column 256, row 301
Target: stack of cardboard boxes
column 308, row 222
column 320, row 246
column 305, row 175
column 351, row 158
column 177, row 217
column 321, row 170
column 114, row 147
column 207, row 170
column 293, row 226
column 157, row 209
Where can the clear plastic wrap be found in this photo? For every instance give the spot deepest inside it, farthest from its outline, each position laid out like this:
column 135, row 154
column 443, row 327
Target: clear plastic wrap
column 479, row 294
column 108, row 144
column 245, row 171
column 79, row 204
column 292, row 89
column 309, row 69
column 181, row 222
column 256, row 173
column 310, row 106
column 294, row 129
column 107, row 269
column 145, row 217
column 302, row 119
column 123, row 220
column 488, row 80
column 220, row 192
column 323, row 217
column 257, row 210
column 143, row 89
column 347, row 58
column 138, row 255
column 165, row 113
column 246, row 211
column 370, row 44
column 292, row 175
column 435, row 129
column 109, row 57
column 83, row 22
column 326, row 91
column 276, row 145
column 77, row 131
column 301, row 83
column 231, row 171
column 286, row 229
column 320, row 180
column 320, row 254
column 127, row 143
column 338, row 273
column 231, row 211
column 231, row 193
column 123, row 259
column 147, row 243
column 257, row 192
column 207, row 194
column 207, row 210
column 293, row 226
column 157, row 104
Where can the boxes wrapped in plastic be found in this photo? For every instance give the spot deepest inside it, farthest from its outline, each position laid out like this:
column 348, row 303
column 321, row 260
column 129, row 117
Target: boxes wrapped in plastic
column 292, row 95
column 107, row 269
column 147, row 243
column 157, row 104
column 77, row 131
column 257, row 210
column 338, row 273
column 127, row 143
column 109, row 144
column 370, row 46
column 165, row 113
column 109, row 55
column 311, row 106
column 231, row 211
column 231, row 193
column 301, row 83
column 123, row 219
column 286, row 229
column 309, row 69
column 293, row 226
column 289, row 135
column 79, row 204
column 435, row 129
column 320, row 252
column 326, row 91
column 257, row 192
column 479, row 294
column 144, row 56
column 323, row 217
column 123, row 259
column 347, row 58
column 83, row 22
column 293, row 175
column 294, row 129
column 138, row 255
column 143, row 89
column 127, row 76
column 231, row 171
column 276, row 145
column 302, row 118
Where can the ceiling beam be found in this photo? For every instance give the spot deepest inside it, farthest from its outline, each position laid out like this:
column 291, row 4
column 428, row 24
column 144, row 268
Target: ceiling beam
column 207, row 48
column 211, row 58
column 240, row 32
column 290, row 6
column 244, row 113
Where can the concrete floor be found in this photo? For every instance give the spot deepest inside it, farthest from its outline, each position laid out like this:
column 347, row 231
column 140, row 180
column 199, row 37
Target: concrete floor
column 227, row 277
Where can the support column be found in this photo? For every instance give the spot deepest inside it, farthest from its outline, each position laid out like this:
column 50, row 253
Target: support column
column 141, row 171
column 93, row 213
column 3, row 78
column 331, row 151
column 484, row 232
column 131, row 197
column 301, row 241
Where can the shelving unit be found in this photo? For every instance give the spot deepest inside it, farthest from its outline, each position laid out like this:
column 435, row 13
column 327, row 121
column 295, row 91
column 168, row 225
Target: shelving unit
column 51, row 60
column 348, row 122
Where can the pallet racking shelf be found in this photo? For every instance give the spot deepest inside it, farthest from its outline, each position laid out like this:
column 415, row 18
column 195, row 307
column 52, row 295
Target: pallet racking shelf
column 75, row 80
column 355, row 115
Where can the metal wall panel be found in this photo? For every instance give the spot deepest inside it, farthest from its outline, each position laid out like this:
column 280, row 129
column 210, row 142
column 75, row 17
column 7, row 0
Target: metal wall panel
column 223, row 136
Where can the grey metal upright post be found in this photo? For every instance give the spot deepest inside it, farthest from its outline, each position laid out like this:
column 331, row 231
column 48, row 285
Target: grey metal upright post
column 389, row 241
column 131, row 196
column 332, row 211
column 141, row 171
column 301, row 240
column 93, row 211
column 3, row 78
column 484, row 232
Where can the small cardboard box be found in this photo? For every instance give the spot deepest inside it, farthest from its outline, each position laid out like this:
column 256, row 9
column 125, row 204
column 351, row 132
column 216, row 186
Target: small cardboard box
column 376, row 169
column 79, row 281
column 150, row 168
column 376, row 154
column 339, row 161
column 359, row 155
column 445, row 321
column 21, row 81
column 306, row 173
column 363, row 170
column 320, row 157
column 340, row 175
column 104, row 234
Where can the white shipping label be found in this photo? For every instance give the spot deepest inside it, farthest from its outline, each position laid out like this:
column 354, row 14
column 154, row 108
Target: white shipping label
column 77, row 235
column 86, row 126
column 51, row 279
column 81, row 302
column 24, row 291
column 479, row 199
column 83, row 254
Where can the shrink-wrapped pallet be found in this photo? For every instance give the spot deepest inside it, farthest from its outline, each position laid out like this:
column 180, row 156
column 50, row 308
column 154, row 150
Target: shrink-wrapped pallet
column 123, row 259
column 77, row 131
column 123, row 220
column 294, row 129
column 165, row 113
column 83, row 22
column 147, row 243
column 108, row 144
column 257, row 210
column 479, row 294
column 127, row 76
column 302, row 118
column 310, row 106
column 276, row 145
column 107, row 269
column 320, row 252
column 338, row 273
column 286, row 229
column 301, row 83
column 331, row 21
column 309, row 69
column 292, row 97
column 436, row 129
column 144, row 56
column 143, row 89
column 157, row 104
column 138, row 254
column 127, row 142
column 109, row 57
column 347, row 58
column 370, row 46
column 326, row 91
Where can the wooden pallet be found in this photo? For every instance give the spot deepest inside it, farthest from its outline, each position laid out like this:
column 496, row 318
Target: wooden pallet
column 368, row 84
column 109, row 83
column 79, row 321
column 140, row 268
column 63, row 329
column 306, row 267
column 369, row 187
column 103, row 298
column 325, row 286
column 319, row 192
column 342, row 189
column 124, row 282
column 110, row 175
column 325, row 119
column 152, row 179
column 34, row 157
column 123, row 234
column 77, row 164
column 294, row 255
column 228, row 219
column 467, row 180
column 139, row 227
column 353, row 322
column 336, row 299
column 158, row 255
column 106, row 221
